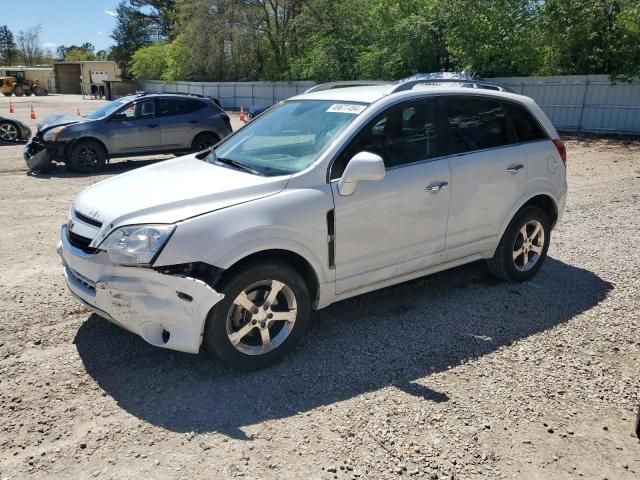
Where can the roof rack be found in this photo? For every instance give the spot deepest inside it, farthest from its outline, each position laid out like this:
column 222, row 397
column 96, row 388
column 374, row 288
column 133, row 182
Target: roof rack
column 344, row 84
column 473, row 83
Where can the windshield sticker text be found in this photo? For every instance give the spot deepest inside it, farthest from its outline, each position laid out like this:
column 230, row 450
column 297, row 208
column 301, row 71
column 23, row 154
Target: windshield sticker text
column 346, row 108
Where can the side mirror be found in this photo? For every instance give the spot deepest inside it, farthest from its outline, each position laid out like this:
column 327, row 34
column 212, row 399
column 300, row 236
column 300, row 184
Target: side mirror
column 118, row 116
column 363, row 167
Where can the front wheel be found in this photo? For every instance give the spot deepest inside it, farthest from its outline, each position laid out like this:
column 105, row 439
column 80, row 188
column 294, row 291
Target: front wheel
column 202, row 141
column 523, row 246
column 8, row 132
column 87, row 156
column 265, row 310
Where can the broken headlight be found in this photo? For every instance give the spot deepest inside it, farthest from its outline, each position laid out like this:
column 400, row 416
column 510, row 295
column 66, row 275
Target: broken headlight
column 136, row 245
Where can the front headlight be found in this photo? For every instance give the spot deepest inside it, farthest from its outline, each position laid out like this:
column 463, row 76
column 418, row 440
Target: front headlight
column 53, row 134
column 136, row 245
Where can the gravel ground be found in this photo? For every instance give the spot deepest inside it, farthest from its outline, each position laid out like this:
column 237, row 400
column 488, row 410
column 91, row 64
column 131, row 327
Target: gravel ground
column 452, row 376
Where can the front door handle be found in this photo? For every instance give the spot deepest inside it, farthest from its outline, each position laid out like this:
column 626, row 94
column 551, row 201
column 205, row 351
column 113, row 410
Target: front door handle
column 435, row 187
column 515, row 168
column 193, row 121
column 152, row 126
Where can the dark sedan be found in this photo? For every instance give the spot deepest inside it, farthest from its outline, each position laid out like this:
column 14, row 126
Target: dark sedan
column 12, row 130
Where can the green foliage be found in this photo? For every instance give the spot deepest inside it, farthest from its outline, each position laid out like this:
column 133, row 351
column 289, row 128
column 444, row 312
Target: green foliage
column 8, row 48
column 323, row 40
column 74, row 53
column 132, row 32
column 493, row 38
column 150, row 62
column 599, row 36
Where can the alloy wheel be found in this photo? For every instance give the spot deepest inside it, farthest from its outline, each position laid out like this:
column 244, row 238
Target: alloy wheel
column 528, row 245
column 261, row 317
column 89, row 157
column 8, row 132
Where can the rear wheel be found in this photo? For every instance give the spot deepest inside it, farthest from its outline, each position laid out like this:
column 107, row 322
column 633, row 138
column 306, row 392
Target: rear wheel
column 18, row 91
column 87, row 156
column 202, row 141
column 523, row 247
column 265, row 310
column 8, row 132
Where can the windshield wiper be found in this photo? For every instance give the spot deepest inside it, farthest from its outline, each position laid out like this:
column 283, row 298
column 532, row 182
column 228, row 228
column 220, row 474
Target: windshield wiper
column 238, row 165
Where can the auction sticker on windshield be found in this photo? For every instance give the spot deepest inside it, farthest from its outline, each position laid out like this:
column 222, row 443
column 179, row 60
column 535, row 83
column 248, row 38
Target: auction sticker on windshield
column 346, row 108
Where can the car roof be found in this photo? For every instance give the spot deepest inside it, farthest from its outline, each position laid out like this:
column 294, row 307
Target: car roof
column 373, row 93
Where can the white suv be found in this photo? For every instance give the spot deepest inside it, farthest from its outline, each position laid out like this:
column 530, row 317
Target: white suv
column 330, row 194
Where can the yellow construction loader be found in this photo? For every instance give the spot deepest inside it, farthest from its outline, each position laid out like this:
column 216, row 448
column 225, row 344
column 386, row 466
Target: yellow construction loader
column 17, row 84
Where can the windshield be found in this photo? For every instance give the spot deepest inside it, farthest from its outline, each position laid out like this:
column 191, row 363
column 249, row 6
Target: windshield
column 289, row 137
column 108, row 109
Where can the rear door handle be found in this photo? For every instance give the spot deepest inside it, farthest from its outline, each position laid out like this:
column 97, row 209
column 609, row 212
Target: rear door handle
column 193, row 121
column 515, row 168
column 152, row 126
column 435, row 187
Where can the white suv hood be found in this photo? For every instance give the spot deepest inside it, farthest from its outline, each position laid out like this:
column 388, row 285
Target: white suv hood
column 171, row 191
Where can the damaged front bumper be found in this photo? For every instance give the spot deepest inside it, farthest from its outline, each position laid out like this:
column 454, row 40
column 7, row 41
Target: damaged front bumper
column 165, row 310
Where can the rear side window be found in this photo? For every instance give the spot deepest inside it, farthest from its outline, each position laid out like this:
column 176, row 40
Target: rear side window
column 175, row 106
column 526, row 127
column 475, row 123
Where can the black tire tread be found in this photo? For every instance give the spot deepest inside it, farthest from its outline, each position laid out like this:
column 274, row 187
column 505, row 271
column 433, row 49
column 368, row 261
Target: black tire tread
column 498, row 263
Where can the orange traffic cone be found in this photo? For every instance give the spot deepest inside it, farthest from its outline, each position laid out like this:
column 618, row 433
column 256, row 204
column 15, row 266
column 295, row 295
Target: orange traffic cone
column 78, row 112
column 11, row 110
column 33, row 113
column 242, row 117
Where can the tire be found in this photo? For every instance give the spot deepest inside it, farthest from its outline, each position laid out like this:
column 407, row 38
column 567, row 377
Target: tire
column 38, row 91
column 7, row 94
column 18, row 91
column 251, row 322
column 9, row 132
column 87, row 156
column 202, row 141
column 515, row 259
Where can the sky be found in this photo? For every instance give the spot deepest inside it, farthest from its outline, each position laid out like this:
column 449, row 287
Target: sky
column 64, row 22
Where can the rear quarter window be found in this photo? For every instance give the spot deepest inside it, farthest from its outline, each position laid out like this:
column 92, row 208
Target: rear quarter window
column 526, row 127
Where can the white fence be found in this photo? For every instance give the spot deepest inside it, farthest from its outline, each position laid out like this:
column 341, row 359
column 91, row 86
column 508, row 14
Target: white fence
column 583, row 103
column 580, row 103
column 233, row 95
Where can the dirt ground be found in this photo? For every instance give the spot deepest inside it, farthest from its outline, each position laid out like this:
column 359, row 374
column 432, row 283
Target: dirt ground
column 452, row 376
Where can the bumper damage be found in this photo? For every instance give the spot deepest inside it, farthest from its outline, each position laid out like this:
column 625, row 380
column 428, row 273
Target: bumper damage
column 165, row 310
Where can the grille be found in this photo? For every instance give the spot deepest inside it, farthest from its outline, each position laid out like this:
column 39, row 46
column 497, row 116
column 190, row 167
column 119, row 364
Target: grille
column 80, row 242
column 86, row 219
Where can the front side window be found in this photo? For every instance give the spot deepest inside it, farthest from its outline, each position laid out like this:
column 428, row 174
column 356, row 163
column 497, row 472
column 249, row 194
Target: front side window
column 146, row 109
column 289, row 137
column 475, row 123
column 403, row 134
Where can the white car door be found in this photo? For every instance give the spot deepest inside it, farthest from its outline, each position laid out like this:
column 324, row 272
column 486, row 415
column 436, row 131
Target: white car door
column 395, row 226
column 488, row 172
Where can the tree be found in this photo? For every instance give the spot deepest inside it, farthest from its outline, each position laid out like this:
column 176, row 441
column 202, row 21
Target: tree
column 160, row 13
column 150, row 63
column 132, row 32
column 29, row 45
column 8, row 49
column 493, row 38
column 74, row 53
column 600, row 36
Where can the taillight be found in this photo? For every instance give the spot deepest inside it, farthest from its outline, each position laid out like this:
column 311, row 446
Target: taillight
column 562, row 150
